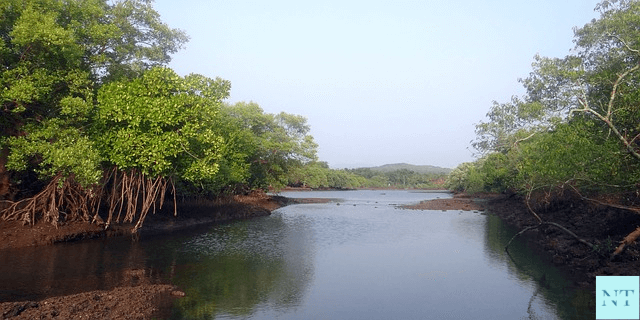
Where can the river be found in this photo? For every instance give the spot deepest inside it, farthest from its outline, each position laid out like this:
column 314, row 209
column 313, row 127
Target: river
column 359, row 256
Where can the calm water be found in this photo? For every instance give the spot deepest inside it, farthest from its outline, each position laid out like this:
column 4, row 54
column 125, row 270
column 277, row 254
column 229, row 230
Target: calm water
column 358, row 257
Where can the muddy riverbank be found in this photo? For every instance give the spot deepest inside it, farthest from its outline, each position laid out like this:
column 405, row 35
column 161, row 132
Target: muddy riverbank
column 145, row 301
column 13, row 234
column 141, row 296
column 458, row 202
column 602, row 225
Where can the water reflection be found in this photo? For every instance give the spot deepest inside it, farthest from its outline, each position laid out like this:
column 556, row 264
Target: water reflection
column 234, row 268
column 228, row 269
column 39, row 272
column 363, row 259
column 553, row 291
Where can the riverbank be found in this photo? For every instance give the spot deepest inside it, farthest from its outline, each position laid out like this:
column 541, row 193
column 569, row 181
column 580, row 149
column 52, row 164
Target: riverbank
column 145, row 301
column 599, row 224
column 145, row 298
column 596, row 223
column 141, row 296
column 13, row 234
column 458, row 202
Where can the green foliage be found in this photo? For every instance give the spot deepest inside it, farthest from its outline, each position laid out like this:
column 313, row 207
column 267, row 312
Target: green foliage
column 343, row 179
column 378, row 181
column 239, row 144
column 312, row 175
column 460, row 179
column 510, row 123
column 57, row 150
column 54, row 56
column 572, row 153
column 492, row 173
column 427, row 169
column 402, row 178
column 496, row 134
column 554, row 85
column 278, row 144
column 577, row 153
column 319, row 175
column 497, row 171
column 85, row 99
column 161, row 124
column 578, row 122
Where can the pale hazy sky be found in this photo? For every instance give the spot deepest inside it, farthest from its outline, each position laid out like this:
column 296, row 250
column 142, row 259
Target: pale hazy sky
column 379, row 81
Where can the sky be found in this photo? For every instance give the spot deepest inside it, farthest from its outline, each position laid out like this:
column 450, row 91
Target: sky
column 379, row 82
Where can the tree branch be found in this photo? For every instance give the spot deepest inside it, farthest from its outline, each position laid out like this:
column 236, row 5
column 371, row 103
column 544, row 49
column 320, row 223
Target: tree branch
column 629, row 239
column 567, row 231
column 623, row 43
column 515, row 144
column 607, row 119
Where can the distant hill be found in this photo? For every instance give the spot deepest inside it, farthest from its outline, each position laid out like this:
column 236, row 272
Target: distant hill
column 414, row 168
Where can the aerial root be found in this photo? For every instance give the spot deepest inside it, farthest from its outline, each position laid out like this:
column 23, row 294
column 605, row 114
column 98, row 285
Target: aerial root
column 61, row 199
column 133, row 195
column 631, row 237
column 129, row 198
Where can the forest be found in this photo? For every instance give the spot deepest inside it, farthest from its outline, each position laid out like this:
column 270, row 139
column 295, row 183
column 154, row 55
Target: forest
column 575, row 132
column 95, row 127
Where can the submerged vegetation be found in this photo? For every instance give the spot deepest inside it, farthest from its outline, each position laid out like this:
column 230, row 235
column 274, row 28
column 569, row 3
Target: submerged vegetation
column 576, row 128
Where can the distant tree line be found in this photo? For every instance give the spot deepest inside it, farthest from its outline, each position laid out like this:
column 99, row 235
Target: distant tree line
column 319, row 175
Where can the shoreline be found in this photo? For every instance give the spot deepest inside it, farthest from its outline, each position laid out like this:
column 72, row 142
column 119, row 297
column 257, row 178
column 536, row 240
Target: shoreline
column 457, row 202
column 144, row 298
column 596, row 224
column 147, row 299
column 13, row 234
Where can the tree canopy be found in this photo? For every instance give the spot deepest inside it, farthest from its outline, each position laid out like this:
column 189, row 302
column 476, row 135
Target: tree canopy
column 90, row 112
column 55, row 56
column 578, row 121
column 576, row 128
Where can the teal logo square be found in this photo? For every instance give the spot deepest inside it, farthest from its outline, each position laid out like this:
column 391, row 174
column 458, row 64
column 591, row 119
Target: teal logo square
column 617, row 297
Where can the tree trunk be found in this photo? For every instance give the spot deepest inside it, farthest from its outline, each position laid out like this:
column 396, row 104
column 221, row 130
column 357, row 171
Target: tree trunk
column 4, row 176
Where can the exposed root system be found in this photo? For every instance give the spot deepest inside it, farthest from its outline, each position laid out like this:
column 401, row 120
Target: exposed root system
column 133, row 195
column 129, row 197
column 61, row 200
